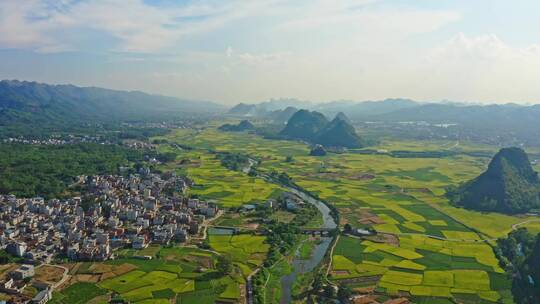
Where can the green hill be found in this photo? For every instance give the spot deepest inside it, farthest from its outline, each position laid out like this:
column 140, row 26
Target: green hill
column 244, row 125
column 509, row 185
column 305, row 125
column 315, row 128
column 339, row 133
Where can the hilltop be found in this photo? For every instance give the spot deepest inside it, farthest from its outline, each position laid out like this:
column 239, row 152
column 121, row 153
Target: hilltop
column 244, row 125
column 339, row 133
column 305, row 125
column 509, row 185
column 314, row 127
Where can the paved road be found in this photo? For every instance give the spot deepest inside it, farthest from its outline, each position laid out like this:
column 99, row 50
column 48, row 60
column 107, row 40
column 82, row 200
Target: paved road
column 515, row 226
column 249, row 286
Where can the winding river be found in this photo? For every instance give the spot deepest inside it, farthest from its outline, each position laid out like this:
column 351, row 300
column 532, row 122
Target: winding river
column 301, row 266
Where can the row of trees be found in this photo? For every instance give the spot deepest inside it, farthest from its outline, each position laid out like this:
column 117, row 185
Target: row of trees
column 46, row 170
column 519, row 253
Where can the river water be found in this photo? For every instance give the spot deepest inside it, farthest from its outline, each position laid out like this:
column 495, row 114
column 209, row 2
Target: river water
column 301, row 266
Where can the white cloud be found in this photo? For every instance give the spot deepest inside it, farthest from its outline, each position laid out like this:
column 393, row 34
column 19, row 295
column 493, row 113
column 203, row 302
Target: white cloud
column 15, row 30
column 356, row 17
column 139, row 27
column 482, row 68
column 483, row 48
column 253, row 50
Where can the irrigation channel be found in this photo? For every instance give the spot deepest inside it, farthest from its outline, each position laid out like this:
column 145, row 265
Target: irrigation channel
column 301, row 266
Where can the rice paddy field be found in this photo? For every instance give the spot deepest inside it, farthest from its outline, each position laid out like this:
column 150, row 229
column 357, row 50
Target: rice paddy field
column 429, row 248
column 398, row 195
column 178, row 274
column 246, row 251
column 423, row 267
column 215, row 182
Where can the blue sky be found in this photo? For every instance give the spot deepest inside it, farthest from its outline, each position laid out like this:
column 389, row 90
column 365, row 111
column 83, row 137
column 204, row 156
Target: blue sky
column 485, row 51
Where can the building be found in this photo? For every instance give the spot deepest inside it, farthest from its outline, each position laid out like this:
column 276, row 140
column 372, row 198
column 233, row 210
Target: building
column 42, row 297
column 363, row 232
column 139, row 243
column 181, row 235
column 291, row 205
column 23, row 272
column 7, row 286
column 12, row 287
column 272, row 204
column 248, row 207
column 133, row 210
column 16, row 248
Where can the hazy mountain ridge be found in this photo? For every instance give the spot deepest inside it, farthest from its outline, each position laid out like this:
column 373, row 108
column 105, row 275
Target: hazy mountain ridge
column 266, row 107
column 400, row 109
column 278, row 111
column 244, row 125
column 354, row 109
column 30, row 102
column 503, row 124
column 366, row 109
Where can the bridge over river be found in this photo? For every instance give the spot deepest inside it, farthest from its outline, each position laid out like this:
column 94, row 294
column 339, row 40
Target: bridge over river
column 322, row 231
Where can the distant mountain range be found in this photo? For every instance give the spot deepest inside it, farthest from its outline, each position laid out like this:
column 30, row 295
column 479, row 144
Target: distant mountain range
column 315, row 128
column 36, row 104
column 354, row 110
column 509, row 185
column 32, row 102
column 244, row 125
column 277, row 111
column 507, row 120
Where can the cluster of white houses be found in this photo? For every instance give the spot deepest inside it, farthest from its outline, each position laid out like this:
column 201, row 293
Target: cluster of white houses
column 17, row 280
column 114, row 212
column 57, row 141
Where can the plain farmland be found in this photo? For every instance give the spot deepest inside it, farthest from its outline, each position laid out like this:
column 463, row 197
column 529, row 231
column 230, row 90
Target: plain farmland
column 399, row 196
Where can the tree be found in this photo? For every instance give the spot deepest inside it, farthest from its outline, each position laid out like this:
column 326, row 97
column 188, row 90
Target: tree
column 329, row 291
column 344, row 293
column 317, row 284
column 252, row 172
column 224, row 265
column 347, row 228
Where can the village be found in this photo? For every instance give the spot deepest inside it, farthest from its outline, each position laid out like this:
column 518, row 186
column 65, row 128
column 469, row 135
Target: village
column 114, row 212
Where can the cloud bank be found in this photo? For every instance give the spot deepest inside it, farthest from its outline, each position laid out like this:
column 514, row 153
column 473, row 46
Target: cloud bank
column 254, row 50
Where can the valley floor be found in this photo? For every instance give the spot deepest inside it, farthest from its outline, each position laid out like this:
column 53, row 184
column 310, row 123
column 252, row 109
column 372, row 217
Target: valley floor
column 425, row 249
column 428, row 249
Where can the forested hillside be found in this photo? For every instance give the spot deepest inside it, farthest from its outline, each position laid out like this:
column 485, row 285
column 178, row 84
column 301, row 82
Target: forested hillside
column 509, row 185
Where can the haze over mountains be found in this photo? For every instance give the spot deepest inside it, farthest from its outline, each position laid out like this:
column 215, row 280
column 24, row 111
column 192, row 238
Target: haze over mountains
column 24, row 102
column 31, row 102
column 402, row 110
column 511, row 124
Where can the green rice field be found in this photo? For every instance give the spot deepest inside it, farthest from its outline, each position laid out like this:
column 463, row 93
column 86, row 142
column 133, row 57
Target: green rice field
column 246, row 251
column 175, row 274
column 215, row 182
column 431, row 248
